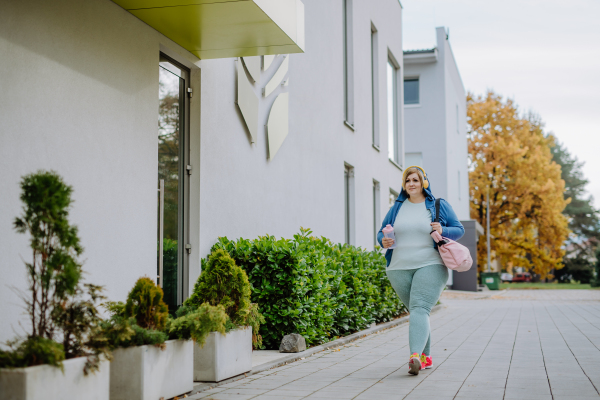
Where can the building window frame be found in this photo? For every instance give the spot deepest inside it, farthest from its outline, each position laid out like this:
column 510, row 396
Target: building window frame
column 349, row 200
column 459, row 187
column 184, row 193
column 348, row 47
column 375, row 87
column 416, row 103
column 393, row 109
column 457, row 120
column 393, row 195
column 376, row 211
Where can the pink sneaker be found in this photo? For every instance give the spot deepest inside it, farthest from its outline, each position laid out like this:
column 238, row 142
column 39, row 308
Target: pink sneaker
column 414, row 364
column 427, row 361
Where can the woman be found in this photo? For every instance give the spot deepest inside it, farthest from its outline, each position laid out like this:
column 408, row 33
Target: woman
column 415, row 268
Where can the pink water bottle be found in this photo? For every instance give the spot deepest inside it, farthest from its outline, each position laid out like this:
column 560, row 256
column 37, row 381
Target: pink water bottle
column 388, row 232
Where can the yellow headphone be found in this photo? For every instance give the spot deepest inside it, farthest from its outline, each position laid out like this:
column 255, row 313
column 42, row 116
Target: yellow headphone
column 425, row 181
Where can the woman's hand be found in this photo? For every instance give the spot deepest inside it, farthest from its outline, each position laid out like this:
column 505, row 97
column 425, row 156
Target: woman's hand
column 436, row 226
column 387, row 242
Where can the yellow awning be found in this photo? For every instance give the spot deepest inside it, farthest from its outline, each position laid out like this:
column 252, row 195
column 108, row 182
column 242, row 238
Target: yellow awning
column 226, row 28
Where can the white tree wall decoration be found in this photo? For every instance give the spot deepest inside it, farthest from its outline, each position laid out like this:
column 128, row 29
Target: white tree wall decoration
column 263, row 98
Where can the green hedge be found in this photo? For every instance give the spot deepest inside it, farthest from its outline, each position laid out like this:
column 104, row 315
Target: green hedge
column 313, row 287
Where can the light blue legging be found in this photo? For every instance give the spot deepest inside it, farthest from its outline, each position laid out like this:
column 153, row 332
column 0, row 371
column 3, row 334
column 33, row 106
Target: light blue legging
column 419, row 289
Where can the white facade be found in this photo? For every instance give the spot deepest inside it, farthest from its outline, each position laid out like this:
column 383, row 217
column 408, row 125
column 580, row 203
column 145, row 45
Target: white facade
column 245, row 195
column 435, row 128
column 80, row 83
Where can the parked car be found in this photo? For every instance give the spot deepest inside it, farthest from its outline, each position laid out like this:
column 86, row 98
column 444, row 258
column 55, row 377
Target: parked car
column 506, row 277
column 522, row 277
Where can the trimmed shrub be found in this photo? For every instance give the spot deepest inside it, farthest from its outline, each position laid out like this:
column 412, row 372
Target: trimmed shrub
column 310, row 286
column 124, row 328
column 198, row 324
column 224, row 284
column 145, row 303
column 35, row 350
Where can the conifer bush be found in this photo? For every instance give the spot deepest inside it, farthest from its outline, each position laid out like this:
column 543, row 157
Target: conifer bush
column 311, row 286
column 224, row 284
column 198, row 323
column 64, row 319
column 144, row 319
column 145, row 303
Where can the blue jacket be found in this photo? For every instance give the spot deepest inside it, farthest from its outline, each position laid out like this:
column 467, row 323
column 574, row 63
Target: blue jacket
column 451, row 226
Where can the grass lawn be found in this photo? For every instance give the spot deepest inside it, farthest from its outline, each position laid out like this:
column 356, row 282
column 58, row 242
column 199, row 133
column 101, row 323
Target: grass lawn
column 542, row 285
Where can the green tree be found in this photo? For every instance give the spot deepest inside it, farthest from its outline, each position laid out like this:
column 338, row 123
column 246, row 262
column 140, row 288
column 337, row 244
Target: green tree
column 54, row 272
column 59, row 306
column 584, row 221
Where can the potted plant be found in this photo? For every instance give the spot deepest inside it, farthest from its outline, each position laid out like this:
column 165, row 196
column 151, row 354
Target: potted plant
column 223, row 283
column 153, row 353
column 64, row 355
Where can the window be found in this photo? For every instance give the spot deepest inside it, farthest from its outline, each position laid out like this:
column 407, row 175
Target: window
column 392, row 99
column 457, row 121
column 411, row 91
column 459, row 185
column 173, row 184
column 349, row 203
column 374, row 88
column 376, row 220
column 348, row 65
column 413, row 159
column 393, row 197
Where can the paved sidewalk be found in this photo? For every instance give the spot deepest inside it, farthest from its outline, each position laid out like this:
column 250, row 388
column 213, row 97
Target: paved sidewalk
column 521, row 344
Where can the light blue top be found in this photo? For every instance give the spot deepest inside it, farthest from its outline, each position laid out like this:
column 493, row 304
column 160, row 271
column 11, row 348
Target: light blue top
column 451, row 226
column 412, row 228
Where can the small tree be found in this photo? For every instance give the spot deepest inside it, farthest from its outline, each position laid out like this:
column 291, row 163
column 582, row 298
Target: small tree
column 54, row 272
column 145, row 303
column 224, row 284
column 59, row 307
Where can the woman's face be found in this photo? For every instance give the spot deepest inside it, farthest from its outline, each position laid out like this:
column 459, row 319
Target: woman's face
column 413, row 184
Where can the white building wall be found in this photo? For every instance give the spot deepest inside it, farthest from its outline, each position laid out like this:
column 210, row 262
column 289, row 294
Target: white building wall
column 425, row 123
column 431, row 127
column 80, row 84
column 245, row 195
column 456, row 131
column 80, row 96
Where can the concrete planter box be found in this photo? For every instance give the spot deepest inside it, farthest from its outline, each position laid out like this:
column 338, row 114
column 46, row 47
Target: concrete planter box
column 149, row 373
column 223, row 356
column 50, row 383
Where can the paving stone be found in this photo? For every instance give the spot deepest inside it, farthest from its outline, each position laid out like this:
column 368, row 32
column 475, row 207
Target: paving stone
column 516, row 345
column 229, row 396
column 479, row 396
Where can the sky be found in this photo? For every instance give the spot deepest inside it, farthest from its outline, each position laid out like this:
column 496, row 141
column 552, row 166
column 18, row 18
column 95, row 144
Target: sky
column 545, row 55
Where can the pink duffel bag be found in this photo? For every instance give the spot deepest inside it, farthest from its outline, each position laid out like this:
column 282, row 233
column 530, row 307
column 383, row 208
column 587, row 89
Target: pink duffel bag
column 455, row 256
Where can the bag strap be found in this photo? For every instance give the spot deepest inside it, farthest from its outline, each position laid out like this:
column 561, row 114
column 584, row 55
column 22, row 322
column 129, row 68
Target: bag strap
column 437, row 210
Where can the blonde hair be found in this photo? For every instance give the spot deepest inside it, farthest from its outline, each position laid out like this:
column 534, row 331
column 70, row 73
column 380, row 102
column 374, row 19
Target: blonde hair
column 410, row 171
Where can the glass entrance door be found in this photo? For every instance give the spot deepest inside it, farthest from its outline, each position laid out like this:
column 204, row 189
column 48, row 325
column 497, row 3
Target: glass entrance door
column 172, row 180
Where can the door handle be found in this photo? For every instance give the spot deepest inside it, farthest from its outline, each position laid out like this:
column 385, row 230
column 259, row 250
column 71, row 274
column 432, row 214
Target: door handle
column 161, row 229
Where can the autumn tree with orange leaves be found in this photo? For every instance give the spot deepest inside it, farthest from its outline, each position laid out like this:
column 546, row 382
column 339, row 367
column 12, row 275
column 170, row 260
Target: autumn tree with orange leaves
column 510, row 155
